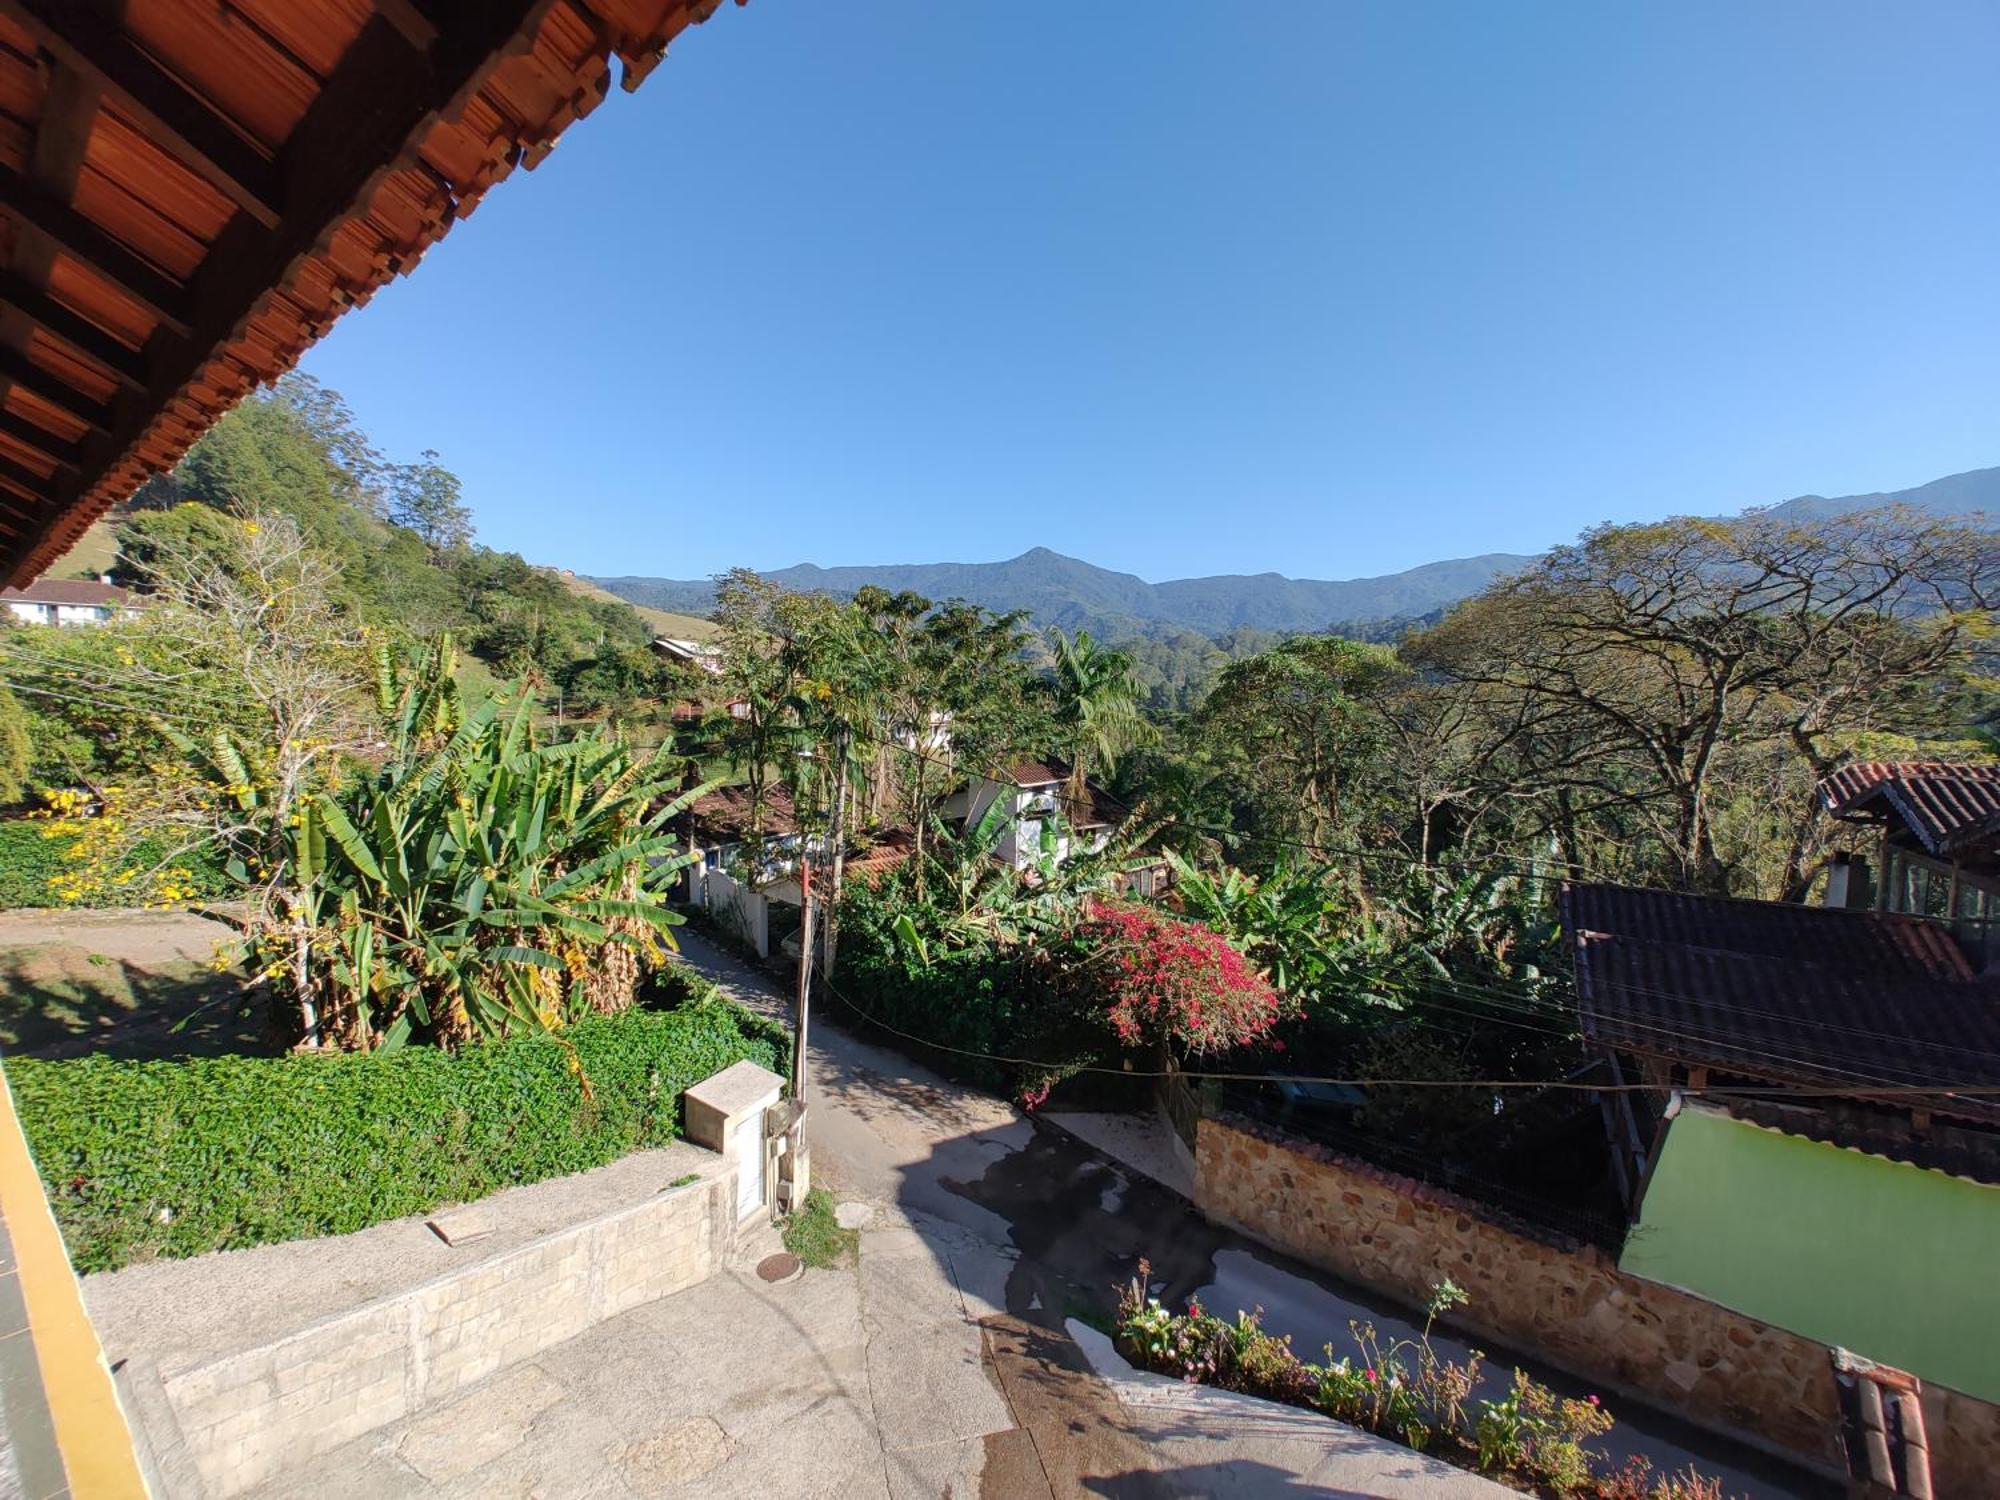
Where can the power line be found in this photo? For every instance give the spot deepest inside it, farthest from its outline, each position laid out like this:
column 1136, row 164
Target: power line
column 1951, row 1090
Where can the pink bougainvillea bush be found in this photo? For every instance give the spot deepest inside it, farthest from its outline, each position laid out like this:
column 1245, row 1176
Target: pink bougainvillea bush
column 1171, row 983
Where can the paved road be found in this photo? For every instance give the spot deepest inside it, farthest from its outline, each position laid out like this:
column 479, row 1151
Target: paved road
column 1019, row 1216
column 1036, row 1226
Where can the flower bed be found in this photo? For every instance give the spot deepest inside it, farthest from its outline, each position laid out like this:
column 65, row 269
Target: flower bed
column 1531, row 1438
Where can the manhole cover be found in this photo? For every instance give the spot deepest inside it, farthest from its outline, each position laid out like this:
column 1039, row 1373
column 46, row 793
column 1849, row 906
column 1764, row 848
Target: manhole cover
column 780, row 1267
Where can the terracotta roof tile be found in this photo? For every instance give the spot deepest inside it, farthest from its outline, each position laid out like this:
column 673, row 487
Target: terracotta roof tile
column 725, row 813
column 1949, row 807
column 251, row 172
column 80, row 591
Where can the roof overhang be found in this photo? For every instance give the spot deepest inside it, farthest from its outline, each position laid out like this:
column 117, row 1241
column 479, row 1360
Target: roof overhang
column 191, row 194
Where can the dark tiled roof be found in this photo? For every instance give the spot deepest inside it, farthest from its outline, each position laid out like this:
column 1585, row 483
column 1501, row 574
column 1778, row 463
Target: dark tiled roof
column 77, row 591
column 1035, row 772
column 724, row 814
column 1968, row 1153
column 1878, row 943
column 1948, row 807
column 1105, row 810
column 1847, row 1000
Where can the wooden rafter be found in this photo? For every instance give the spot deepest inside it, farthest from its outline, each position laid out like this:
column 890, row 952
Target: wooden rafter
column 93, row 343
column 25, row 203
column 91, row 43
column 59, row 451
column 20, row 371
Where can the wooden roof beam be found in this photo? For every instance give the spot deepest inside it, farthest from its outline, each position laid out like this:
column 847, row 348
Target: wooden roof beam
column 366, row 122
column 16, row 369
column 26, row 478
column 59, row 451
column 78, row 237
column 82, row 335
column 178, row 121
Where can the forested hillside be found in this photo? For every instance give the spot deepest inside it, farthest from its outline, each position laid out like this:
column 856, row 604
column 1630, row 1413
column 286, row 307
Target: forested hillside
column 398, row 539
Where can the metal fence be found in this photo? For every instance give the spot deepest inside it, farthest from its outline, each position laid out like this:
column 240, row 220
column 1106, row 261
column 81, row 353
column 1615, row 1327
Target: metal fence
column 1579, row 1216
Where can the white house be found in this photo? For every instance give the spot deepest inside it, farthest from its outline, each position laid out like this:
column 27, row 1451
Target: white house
column 697, row 654
column 1034, row 792
column 748, row 886
column 68, row 601
column 1037, row 791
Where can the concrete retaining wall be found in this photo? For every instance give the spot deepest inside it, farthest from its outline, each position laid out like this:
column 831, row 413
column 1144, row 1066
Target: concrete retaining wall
column 237, row 1421
column 1568, row 1303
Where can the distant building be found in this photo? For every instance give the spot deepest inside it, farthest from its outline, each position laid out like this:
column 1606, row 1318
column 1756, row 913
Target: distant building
column 68, row 601
column 697, row 654
column 1039, row 798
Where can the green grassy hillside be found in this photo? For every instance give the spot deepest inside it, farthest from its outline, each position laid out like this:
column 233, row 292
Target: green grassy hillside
column 663, row 621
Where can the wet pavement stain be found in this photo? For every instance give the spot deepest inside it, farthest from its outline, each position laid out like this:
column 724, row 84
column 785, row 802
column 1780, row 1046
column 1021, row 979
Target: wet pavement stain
column 1082, row 1226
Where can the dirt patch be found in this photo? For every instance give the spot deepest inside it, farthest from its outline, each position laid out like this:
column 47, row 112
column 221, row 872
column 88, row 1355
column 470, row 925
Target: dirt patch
column 129, row 984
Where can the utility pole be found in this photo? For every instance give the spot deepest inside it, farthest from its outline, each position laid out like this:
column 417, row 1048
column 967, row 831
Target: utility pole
column 838, row 863
column 799, row 1017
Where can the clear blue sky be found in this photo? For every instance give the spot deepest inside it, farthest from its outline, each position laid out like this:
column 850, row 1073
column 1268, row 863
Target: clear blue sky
column 1323, row 288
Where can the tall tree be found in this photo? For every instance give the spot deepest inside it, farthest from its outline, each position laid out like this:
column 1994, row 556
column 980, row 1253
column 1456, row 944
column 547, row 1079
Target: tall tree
column 1665, row 662
column 1095, row 696
column 426, row 497
column 1296, row 731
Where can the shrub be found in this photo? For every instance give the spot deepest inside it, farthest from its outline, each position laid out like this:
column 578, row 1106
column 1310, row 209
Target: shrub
column 815, row 1236
column 1167, row 982
column 149, row 1159
column 1402, row 1389
column 30, row 863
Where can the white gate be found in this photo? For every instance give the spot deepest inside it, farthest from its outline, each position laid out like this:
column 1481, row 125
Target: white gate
column 747, row 1146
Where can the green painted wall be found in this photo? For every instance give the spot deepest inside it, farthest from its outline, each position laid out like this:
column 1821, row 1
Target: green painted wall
column 1896, row 1263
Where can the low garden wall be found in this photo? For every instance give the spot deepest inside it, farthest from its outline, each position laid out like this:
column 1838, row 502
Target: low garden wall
column 1568, row 1303
column 219, row 1428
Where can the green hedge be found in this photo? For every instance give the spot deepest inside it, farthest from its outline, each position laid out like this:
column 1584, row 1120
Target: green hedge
column 149, row 1159
column 28, row 861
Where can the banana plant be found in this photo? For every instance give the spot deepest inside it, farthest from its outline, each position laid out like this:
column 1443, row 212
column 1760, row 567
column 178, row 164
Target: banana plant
column 486, row 880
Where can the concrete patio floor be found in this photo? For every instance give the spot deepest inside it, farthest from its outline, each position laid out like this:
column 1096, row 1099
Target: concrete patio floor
column 897, row 1376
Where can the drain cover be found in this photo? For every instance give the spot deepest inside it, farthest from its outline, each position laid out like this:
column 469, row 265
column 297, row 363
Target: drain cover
column 780, row 1267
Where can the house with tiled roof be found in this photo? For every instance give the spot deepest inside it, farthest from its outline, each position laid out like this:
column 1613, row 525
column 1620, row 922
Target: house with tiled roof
column 1804, row 1116
column 1936, row 846
column 68, row 601
column 1041, row 798
column 745, row 857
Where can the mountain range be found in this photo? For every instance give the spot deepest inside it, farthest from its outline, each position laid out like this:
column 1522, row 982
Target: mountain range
column 1065, row 591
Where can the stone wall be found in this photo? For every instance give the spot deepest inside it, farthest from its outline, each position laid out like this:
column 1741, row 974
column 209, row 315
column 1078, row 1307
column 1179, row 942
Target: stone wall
column 1567, row 1303
column 238, row 1421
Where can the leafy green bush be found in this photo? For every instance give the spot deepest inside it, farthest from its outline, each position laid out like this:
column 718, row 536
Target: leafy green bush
column 149, row 1159
column 29, row 861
